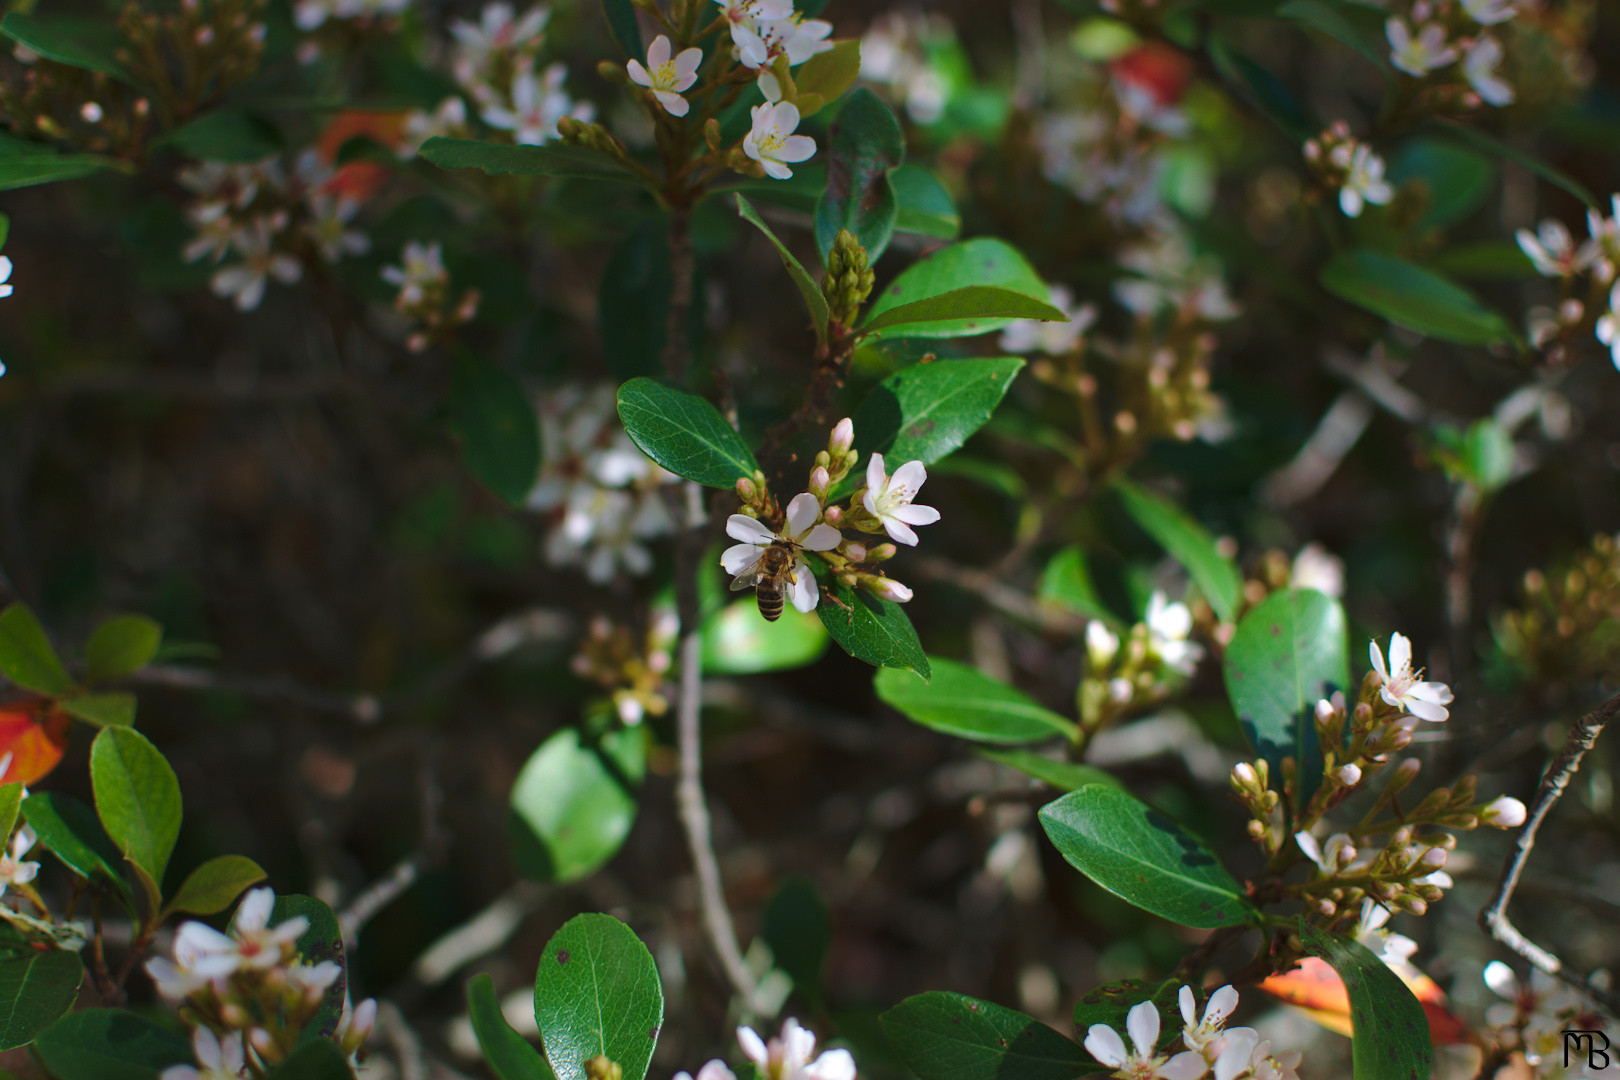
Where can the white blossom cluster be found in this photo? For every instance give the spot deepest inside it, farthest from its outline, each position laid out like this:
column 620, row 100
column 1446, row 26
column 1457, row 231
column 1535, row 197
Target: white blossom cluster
column 270, row 220
column 1171, row 278
column 1430, row 41
column 1556, row 254
column 1533, row 1018
column 790, row 1056
column 894, row 55
column 1349, row 165
column 310, row 15
column 1212, row 1049
column 601, row 495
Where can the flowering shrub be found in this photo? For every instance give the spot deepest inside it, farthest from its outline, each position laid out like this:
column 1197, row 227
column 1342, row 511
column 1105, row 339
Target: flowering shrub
column 428, row 372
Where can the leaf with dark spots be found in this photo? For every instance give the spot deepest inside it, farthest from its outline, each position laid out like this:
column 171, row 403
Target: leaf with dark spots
column 865, row 145
column 562, row 956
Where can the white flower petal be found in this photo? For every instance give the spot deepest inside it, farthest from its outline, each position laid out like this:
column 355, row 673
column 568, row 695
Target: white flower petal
column 911, row 476
column 802, row 513
column 832, row 1065
column 748, row 530
column 805, row 596
column 1189, row 1003
column 912, row 514
column 753, row 1047
column 1103, row 1043
column 899, row 531
column 822, row 538
column 1142, row 1022
column 1400, row 653
column 734, row 560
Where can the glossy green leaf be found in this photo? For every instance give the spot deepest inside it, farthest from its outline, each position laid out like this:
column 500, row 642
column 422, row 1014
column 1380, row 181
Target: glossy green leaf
column 944, row 1036
column 814, row 302
column 508, row 1054
column 621, row 20
column 632, row 303
column 865, row 144
column 89, row 44
column 1485, row 260
column 121, row 646
column 983, row 261
column 215, row 885
column 500, row 159
column 1111, row 1003
column 597, row 992
column 1455, row 181
column 34, row 991
column 137, row 798
column 684, row 433
column 27, row 170
column 318, row 1059
column 925, row 411
column 70, row 830
column 737, row 641
column 320, row 942
column 26, row 656
column 825, row 77
column 1063, row 775
column 1413, row 297
column 963, row 701
column 11, row 796
column 1144, row 858
column 973, row 303
column 5, row 229
column 1066, row 580
column 1264, row 91
column 1334, row 21
column 500, row 436
column 573, row 804
column 109, row 1044
column 796, row 928
column 1188, row 543
column 874, row 630
column 1470, row 135
column 102, row 710
column 1289, row 652
column 226, row 135
column 926, row 208
column 1390, row 1039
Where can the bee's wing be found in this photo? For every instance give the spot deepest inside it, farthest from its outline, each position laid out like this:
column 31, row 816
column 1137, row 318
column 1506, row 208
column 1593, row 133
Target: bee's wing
column 748, row 578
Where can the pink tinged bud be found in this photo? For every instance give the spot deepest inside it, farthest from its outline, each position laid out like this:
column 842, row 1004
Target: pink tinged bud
column 1120, row 690
column 1324, row 710
column 834, row 516
column 1505, row 812
column 1244, row 776
column 1407, row 770
column 819, row 483
column 882, row 552
column 1345, row 855
column 889, row 589
column 1400, row 837
column 1350, row 775
column 1416, row 905
column 746, row 491
column 854, row 552
column 1326, row 907
column 843, row 438
column 1433, row 859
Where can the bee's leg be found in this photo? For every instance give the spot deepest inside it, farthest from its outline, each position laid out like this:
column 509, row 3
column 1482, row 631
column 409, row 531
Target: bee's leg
column 826, row 591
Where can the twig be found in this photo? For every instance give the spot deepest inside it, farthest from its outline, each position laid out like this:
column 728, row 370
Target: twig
column 1493, row 918
column 1003, row 598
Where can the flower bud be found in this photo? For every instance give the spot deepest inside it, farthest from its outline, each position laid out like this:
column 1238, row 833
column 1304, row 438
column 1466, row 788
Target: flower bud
column 711, row 134
column 601, row 1067
column 1405, row 773
column 1400, row 838
column 1503, row 812
column 265, row 1045
column 1102, row 644
column 746, row 491
column 842, row 438
column 1345, row 855
column 1244, row 778
column 887, row 588
column 1462, row 792
column 1327, row 907
column 1257, row 830
column 1324, row 710
column 853, row 551
column 1120, row 690
column 819, row 482
column 613, row 73
column 834, row 516
column 882, row 552
column 1433, row 859
column 1415, row 904
column 1349, row 776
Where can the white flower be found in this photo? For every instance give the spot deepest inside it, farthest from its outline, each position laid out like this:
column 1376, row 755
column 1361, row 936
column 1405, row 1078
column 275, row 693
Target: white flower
column 1200, row 1033
column 422, row 269
column 802, row 531
column 1264, row 1065
column 328, row 227
column 498, row 32
column 1490, row 12
column 1339, row 852
column 1479, row 67
column 5, row 276
column 257, row 943
column 759, row 42
column 202, row 955
column 787, row 1057
column 888, row 498
column 1608, row 325
column 1052, row 338
column 1420, row 55
column 1168, row 626
column 1364, row 182
column 13, row 871
column 220, row 1059
column 450, row 118
column 771, row 141
column 1102, row 644
column 666, row 78
column 538, row 102
column 1538, row 1012
column 1402, row 687
column 1142, row 1024
column 1395, row 950
column 1503, row 812
column 246, row 280
column 1553, row 250
column 1315, row 567
column 712, row 1070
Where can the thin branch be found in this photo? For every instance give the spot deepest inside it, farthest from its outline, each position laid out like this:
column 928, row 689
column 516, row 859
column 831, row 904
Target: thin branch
column 1004, row 598
column 1493, row 918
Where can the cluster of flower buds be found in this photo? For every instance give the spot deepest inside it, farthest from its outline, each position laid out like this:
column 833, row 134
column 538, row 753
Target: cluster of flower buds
column 1342, row 163
column 1588, row 294
column 1565, row 628
column 425, row 297
column 247, row 993
column 1122, row 677
column 849, row 279
column 88, row 110
column 1229, row 1053
column 883, row 505
column 633, row 672
column 193, row 54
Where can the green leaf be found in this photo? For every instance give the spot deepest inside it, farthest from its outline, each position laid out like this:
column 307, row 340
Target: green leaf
column 1332, row 21
column 321, row 941
column 89, row 44
column 1063, row 775
column 814, row 302
column 70, row 830
column 597, row 992
column 872, row 629
column 319, row 1059
column 926, row 208
column 796, row 928
column 1289, row 652
column 925, row 411
column 737, row 641
column 621, row 20
column 632, row 303
column 34, row 991
column 215, row 885
column 109, row 1044
column 1457, row 181
column 1111, row 1003
column 11, row 796
column 508, row 1054
column 137, row 798
column 972, row 303
column 1481, row 140
column 824, row 77
column 102, row 710
column 865, row 144
column 501, row 159
column 5, row 229
column 500, row 436
column 226, row 135
column 1264, row 91
column 1390, row 1039
column 27, row 170
column 684, row 433
column 1188, row 543
column 1143, row 857
column 1413, row 297
column 26, row 656
column 573, row 805
column 943, row 1036
column 1485, row 260
column 1067, row 581
column 962, row 701
column 121, row 646
column 984, row 261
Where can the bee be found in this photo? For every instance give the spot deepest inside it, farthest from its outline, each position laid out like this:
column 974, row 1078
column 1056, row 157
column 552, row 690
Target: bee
column 770, row 575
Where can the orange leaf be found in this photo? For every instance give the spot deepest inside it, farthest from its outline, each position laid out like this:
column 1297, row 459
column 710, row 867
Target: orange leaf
column 1316, row 989
column 34, row 733
column 359, row 179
